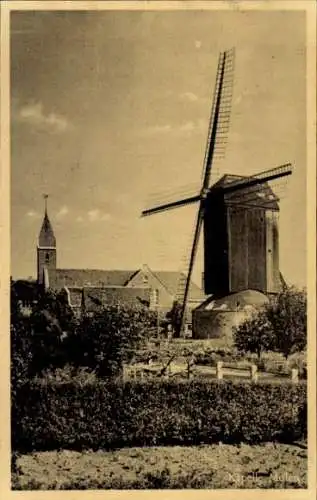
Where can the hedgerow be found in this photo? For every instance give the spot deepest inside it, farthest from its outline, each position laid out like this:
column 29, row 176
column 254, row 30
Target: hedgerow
column 109, row 415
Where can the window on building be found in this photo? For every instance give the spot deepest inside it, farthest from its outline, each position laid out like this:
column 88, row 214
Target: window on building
column 47, row 258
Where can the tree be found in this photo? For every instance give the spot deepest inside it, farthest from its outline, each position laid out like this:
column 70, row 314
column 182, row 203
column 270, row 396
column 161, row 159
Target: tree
column 279, row 326
column 174, row 316
column 287, row 314
column 254, row 335
column 51, row 321
column 110, row 337
column 20, row 342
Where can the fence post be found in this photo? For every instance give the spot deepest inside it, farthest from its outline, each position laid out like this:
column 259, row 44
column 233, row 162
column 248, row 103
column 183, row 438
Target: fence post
column 219, row 370
column 254, row 373
column 169, row 334
column 294, row 375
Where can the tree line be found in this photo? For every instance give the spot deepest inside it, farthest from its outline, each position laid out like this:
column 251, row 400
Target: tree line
column 51, row 336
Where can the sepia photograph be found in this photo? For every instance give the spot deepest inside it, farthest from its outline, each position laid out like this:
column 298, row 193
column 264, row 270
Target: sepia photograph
column 159, row 272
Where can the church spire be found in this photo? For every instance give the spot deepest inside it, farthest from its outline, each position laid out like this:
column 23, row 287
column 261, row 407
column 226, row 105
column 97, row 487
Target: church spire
column 46, row 238
column 45, row 196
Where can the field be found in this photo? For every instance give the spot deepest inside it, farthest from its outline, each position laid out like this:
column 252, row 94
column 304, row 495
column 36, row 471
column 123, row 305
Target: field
column 208, row 466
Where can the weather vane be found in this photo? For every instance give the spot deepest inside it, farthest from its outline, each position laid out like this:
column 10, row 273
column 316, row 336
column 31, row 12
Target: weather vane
column 45, row 196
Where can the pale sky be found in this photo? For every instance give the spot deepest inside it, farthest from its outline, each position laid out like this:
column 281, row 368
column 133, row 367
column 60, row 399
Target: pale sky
column 111, row 107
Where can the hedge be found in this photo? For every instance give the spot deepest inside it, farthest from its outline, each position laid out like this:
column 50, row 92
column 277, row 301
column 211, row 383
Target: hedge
column 110, row 415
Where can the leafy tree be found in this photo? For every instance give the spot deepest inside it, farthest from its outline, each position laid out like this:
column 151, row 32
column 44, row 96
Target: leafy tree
column 110, row 337
column 287, row 314
column 51, row 322
column 21, row 352
column 279, row 326
column 20, row 342
column 254, row 335
column 174, row 317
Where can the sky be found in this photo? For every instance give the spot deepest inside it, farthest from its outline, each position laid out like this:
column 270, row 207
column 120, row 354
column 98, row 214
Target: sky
column 110, row 107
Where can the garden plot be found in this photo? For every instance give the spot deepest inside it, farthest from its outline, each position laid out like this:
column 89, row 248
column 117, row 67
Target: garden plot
column 209, row 466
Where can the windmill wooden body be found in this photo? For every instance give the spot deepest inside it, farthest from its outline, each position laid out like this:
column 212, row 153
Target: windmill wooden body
column 239, row 214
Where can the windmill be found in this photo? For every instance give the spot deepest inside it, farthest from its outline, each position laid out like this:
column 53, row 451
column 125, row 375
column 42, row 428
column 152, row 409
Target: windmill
column 239, row 214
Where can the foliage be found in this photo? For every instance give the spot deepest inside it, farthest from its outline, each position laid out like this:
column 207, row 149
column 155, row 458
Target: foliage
column 254, row 335
column 174, row 317
column 51, row 321
column 109, row 415
column 287, row 315
column 51, row 337
column 110, row 337
column 280, row 326
column 20, row 343
column 68, row 373
column 21, row 353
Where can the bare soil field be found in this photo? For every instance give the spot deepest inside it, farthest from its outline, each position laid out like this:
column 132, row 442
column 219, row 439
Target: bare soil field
column 208, row 466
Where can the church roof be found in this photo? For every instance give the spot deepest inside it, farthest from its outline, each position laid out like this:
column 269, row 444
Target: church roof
column 90, row 277
column 47, row 237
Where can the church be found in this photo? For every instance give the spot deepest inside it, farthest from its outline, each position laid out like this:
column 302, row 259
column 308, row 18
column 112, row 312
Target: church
column 90, row 289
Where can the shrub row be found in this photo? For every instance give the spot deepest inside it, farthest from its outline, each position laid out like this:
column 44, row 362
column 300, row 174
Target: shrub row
column 109, row 415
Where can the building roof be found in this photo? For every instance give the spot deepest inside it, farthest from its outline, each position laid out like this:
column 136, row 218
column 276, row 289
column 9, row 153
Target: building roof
column 47, row 237
column 89, row 277
column 95, row 297
column 118, row 278
column 170, row 280
column 235, row 301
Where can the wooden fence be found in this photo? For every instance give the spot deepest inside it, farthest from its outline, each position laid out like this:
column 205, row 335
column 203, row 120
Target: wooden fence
column 190, row 370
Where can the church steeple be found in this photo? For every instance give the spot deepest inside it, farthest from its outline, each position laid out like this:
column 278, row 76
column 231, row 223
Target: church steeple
column 46, row 249
column 46, row 237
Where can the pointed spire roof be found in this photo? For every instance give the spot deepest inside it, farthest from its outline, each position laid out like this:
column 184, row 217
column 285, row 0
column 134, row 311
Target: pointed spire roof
column 47, row 237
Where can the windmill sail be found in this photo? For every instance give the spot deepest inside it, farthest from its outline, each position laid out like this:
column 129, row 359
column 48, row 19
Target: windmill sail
column 218, row 128
column 220, row 114
column 172, row 204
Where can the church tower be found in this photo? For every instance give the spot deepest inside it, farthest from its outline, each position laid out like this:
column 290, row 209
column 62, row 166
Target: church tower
column 46, row 251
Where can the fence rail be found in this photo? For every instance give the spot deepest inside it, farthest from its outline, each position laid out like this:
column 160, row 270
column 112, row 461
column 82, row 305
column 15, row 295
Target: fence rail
column 189, row 370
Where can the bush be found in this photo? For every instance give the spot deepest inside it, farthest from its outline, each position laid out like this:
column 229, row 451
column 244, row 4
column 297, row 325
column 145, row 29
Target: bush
column 109, row 338
column 105, row 416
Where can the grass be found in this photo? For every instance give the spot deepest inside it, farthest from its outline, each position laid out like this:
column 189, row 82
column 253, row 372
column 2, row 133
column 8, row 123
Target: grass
column 276, row 466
